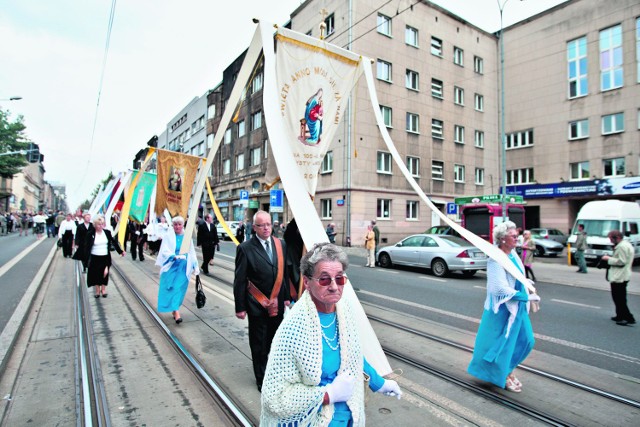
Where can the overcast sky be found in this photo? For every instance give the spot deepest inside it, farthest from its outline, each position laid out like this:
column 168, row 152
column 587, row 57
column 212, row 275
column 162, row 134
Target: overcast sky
column 161, row 55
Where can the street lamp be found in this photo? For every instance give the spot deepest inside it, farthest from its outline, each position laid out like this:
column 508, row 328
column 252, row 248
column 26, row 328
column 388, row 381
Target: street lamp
column 503, row 137
column 12, row 98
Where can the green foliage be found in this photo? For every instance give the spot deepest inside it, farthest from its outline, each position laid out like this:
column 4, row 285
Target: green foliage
column 12, row 138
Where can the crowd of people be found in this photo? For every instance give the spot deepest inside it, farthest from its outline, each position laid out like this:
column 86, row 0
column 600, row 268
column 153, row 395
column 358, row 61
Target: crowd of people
column 27, row 223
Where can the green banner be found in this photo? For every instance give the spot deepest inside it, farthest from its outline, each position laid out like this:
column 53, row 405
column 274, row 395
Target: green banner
column 488, row 198
column 142, row 196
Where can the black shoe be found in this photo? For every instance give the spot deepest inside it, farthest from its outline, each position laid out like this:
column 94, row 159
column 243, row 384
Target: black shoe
column 97, row 295
column 141, row 259
column 622, row 322
column 104, row 295
column 631, row 322
column 616, row 319
column 179, row 320
column 259, row 388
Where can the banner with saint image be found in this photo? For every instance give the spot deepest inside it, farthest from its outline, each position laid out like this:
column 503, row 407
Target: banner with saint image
column 142, row 196
column 176, row 175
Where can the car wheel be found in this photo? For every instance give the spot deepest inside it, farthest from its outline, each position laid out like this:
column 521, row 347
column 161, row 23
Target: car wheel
column 539, row 251
column 469, row 273
column 384, row 260
column 439, row 267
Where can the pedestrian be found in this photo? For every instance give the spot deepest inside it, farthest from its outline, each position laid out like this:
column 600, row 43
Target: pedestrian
column 331, row 232
column 51, row 225
column 24, row 223
column 82, row 230
column 277, row 230
column 138, row 239
column 208, row 240
column 581, row 245
column 3, row 224
column 176, row 270
column 618, row 275
column 370, row 246
column 295, row 249
column 66, row 232
column 98, row 257
column 59, row 218
column 520, row 242
column 260, row 289
column 528, row 249
column 39, row 224
column 505, row 336
column 240, row 232
column 376, row 233
column 315, row 370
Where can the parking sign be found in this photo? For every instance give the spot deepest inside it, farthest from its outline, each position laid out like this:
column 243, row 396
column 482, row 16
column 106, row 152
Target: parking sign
column 452, row 209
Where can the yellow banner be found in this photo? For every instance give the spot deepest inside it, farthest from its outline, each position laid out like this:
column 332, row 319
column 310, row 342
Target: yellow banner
column 176, row 175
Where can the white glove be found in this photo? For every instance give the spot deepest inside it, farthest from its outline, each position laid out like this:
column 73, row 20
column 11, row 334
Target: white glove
column 181, row 257
column 390, row 388
column 341, row 389
column 534, row 297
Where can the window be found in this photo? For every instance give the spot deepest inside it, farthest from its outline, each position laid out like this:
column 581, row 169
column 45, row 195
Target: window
column 611, row 75
column 613, row 167
column 436, row 46
column 413, row 164
column 436, row 128
column 479, row 176
column 458, row 95
column 384, row 70
column 579, row 171
column 436, row 88
column 197, row 125
column 383, row 210
column 256, row 120
column 256, row 83
column 579, row 129
column 256, row 156
column 240, row 162
column 384, row 162
column 386, row 116
column 211, row 111
column 327, row 163
column 613, row 123
column 520, row 176
column 437, row 170
column 413, row 123
column 479, row 139
column 411, row 80
column 227, row 136
column 458, row 134
column 226, row 166
column 330, row 22
column 210, row 139
column 479, row 102
column 412, row 210
column 478, row 65
column 577, row 67
column 458, row 173
column 326, row 209
column 384, row 25
column 458, row 56
column 411, row 36
column 520, row 139
column 241, row 129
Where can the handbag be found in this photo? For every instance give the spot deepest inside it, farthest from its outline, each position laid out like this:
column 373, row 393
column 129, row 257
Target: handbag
column 201, row 298
column 59, row 243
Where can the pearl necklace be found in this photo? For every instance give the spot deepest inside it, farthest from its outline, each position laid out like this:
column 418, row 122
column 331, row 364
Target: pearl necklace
column 330, row 323
column 335, row 335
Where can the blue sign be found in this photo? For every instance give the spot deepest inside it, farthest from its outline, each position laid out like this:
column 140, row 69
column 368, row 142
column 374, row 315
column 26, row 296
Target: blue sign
column 276, row 198
column 244, row 195
column 452, row 209
column 340, row 202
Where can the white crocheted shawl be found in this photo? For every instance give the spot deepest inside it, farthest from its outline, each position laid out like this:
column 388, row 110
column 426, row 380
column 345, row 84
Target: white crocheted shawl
column 291, row 394
column 168, row 249
column 501, row 288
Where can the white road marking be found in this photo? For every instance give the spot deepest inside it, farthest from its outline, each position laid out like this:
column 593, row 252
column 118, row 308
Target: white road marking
column 18, row 257
column 576, row 303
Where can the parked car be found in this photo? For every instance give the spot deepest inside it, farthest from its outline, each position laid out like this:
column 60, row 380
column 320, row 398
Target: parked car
column 551, row 233
column 233, row 226
column 546, row 247
column 440, row 253
column 442, row 229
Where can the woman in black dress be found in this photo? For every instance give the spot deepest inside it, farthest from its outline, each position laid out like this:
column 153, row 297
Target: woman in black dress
column 98, row 256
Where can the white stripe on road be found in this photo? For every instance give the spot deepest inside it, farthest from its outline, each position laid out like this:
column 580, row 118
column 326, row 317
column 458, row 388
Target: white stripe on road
column 576, row 303
column 435, row 279
column 18, row 257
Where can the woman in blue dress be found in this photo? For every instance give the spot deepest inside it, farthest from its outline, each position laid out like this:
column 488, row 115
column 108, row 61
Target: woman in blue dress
column 505, row 336
column 175, row 270
column 314, row 375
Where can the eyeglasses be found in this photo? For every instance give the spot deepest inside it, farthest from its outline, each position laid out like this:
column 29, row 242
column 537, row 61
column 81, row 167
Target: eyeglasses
column 265, row 225
column 326, row 280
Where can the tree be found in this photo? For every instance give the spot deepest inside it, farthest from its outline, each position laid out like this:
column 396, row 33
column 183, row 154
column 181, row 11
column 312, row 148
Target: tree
column 12, row 140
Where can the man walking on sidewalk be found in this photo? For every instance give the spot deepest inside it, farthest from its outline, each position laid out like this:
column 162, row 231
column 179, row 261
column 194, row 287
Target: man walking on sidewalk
column 581, row 245
column 208, row 240
column 618, row 275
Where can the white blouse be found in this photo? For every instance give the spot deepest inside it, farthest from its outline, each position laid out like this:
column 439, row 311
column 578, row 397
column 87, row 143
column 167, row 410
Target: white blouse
column 100, row 245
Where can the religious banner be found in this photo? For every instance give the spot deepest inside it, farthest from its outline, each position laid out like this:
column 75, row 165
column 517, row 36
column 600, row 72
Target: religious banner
column 314, row 80
column 176, row 175
column 142, row 196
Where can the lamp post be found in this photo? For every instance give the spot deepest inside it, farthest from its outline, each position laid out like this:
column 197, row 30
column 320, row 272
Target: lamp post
column 503, row 137
column 12, row 98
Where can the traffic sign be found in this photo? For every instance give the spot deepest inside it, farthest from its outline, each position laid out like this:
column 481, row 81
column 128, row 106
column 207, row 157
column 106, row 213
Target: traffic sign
column 244, row 195
column 276, row 201
column 452, row 208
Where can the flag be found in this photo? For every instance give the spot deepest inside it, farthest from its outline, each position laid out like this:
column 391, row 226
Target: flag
column 142, row 196
column 176, row 175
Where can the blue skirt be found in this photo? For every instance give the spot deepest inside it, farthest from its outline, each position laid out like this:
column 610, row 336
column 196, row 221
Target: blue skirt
column 173, row 287
column 494, row 356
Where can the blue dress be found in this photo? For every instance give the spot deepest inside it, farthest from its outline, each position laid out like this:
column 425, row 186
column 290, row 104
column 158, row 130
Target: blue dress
column 173, row 282
column 494, row 354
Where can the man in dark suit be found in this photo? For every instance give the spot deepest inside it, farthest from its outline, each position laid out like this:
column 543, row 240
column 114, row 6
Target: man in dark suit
column 138, row 239
column 81, row 232
column 260, row 269
column 208, row 240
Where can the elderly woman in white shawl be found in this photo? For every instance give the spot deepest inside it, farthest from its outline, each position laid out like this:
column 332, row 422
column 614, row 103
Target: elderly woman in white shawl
column 505, row 335
column 176, row 270
column 315, row 371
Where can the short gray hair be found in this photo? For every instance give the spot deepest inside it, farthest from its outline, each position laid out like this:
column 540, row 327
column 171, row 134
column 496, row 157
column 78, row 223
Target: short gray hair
column 177, row 219
column 500, row 230
column 98, row 218
column 322, row 252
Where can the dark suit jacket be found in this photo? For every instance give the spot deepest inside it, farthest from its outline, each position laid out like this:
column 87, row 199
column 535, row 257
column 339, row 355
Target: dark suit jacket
column 91, row 237
column 139, row 227
column 207, row 237
column 252, row 263
column 81, row 234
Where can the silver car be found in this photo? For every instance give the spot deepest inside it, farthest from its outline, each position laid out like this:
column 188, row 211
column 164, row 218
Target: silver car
column 546, row 246
column 233, row 226
column 440, row 253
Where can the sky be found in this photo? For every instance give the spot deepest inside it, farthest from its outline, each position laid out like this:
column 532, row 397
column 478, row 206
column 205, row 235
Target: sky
column 161, row 55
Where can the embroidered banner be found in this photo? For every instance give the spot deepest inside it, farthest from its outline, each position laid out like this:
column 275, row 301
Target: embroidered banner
column 142, row 196
column 176, row 175
column 314, row 80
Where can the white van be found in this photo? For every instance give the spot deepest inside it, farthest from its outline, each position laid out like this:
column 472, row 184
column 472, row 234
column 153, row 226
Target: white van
column 599, row 218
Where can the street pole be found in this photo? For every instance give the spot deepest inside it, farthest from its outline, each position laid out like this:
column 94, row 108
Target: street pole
column 503, row 138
